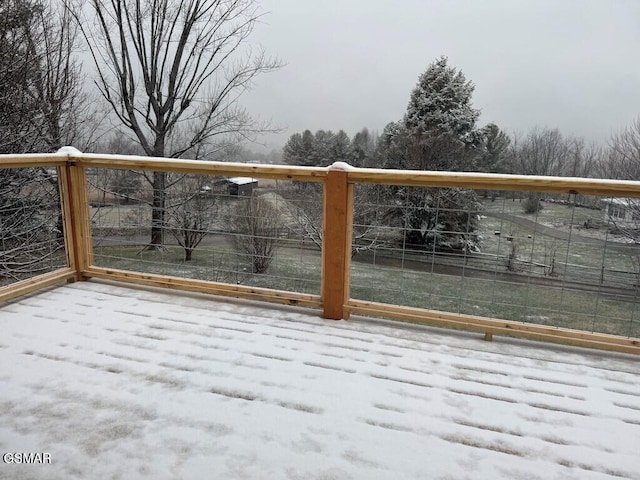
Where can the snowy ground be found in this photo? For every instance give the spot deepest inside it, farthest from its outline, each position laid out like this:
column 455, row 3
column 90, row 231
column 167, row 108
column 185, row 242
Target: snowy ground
column 121, row 383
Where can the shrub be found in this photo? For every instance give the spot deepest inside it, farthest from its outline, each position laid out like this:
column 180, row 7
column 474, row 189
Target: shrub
column 532, row 204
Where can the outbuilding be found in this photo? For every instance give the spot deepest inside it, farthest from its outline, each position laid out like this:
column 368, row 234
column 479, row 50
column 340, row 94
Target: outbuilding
column 622, row 211
column 242, row 186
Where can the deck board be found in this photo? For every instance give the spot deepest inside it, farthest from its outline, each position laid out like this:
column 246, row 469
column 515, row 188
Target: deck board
column 118, row 382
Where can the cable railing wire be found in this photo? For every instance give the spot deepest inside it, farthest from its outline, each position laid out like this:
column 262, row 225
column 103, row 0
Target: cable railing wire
column 31, row 231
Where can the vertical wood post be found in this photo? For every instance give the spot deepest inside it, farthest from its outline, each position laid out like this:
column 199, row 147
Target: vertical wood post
column 74, row 201
column 336, row 242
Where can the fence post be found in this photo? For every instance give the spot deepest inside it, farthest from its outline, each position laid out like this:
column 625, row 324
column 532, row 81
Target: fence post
column 74, row 201
column 336, row 241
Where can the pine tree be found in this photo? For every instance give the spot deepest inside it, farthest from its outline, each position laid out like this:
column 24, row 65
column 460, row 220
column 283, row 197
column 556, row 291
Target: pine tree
column 363, row 146
column 438, row 132
column 323, row 145
column 495, row 150
column 317, row 150
column 300, row 149
column 340, row 147
column 440, row 104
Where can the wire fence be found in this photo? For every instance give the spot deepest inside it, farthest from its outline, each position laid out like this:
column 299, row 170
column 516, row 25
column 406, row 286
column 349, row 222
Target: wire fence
column 553, row 260
column 31, row 227
column 558, row 260
column 238, row 230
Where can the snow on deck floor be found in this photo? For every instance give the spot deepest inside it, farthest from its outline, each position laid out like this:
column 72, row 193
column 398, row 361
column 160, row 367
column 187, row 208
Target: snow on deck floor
column 122, row 383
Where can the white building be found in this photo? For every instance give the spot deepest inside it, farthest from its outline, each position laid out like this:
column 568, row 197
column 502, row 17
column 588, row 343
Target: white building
column 622, row 211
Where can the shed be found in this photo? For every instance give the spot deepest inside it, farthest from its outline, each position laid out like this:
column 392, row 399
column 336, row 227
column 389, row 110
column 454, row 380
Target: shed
column 622, row 211
column 242, row 185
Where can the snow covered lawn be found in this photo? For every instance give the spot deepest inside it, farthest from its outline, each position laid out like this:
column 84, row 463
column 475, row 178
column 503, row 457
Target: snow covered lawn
column 123, row 383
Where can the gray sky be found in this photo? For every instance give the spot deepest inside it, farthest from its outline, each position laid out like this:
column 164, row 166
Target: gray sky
column 574, row 65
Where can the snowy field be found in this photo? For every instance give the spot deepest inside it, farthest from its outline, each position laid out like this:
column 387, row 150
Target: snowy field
column 122, row 383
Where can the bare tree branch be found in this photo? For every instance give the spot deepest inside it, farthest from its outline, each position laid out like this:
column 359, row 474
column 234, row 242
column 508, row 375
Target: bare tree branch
column 173, row 72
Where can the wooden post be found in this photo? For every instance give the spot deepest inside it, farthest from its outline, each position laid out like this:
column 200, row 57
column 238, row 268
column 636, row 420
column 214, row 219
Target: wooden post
column 76, row 217
column 64, row 187
column 336, row 242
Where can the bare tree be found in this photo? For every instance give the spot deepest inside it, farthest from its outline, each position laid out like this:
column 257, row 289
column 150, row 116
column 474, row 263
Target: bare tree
column 623, row 160
column 125, row 184
column 39, row 93
column 304, row 205
column 30, row 241
column 42, row 105
column 583, row 159
column 257, row 228
column 122, row 184
column 541, row 152
column 17, row 64
column 191, row 211
column 57, row 82
column 305, row 209
column 550, row 248
column 172, row 72
column 623, row 163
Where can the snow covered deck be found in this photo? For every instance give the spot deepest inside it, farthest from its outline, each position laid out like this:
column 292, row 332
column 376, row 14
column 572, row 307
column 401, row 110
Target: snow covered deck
column 123, row 383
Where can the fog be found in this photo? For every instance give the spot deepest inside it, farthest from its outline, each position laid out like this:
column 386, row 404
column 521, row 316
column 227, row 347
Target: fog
column 572, row 65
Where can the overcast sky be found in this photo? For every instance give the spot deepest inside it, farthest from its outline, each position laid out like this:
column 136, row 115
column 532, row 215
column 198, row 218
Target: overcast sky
column 574, row 65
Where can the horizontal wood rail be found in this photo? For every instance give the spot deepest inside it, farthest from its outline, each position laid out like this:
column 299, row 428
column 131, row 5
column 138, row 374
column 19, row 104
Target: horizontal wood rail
column 30, row 161
column 339, row 181
column 494, row 181
column 24, row 287
column 498, row 327
column 202, row 286
column 199, row 167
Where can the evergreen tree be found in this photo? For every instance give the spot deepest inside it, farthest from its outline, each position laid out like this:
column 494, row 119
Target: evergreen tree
column 440, row 104
column 308, row 149
column 363, row 146
column 317, row 150
column 438, row 132
column 300, row 149
column 390, row 151
column 291, row 150
column 340, row 147
column 323, row 146
column 495, row 150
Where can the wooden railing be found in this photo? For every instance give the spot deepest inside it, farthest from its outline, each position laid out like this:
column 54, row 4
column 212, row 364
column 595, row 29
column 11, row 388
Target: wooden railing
column 339, row 181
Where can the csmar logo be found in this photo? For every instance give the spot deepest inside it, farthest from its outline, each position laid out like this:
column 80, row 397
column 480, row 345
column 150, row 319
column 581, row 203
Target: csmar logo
column 19, row 457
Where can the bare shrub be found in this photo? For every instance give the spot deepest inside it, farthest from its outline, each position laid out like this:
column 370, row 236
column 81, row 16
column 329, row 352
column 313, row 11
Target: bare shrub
column 256, row 228
column 191, row 211
column 532, row 204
